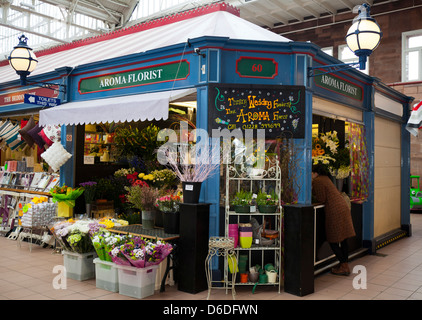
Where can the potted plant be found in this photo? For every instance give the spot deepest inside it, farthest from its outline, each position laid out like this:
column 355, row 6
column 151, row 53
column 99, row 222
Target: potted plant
column 267, row 203
column 242, row 201
column 169, row 206
column 143, row 198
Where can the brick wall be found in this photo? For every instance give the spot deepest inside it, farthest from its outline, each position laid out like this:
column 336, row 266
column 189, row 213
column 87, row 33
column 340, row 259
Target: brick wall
column 385, row 62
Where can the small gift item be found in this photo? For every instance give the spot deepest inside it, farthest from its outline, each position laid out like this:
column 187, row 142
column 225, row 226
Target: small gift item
column 24, row 132
column 33, row 133
column 50, row 134
column 56, row 156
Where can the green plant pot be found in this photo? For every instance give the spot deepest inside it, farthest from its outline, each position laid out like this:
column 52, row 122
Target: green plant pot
column 267, row 208
column 242, row 209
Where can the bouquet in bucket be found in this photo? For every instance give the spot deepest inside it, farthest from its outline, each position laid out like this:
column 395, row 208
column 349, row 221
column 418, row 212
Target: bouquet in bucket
column 168, row 203
column 104, row 241
column 75, row 235
column 140, row 253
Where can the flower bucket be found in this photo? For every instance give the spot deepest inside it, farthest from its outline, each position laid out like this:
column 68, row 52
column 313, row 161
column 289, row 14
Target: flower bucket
column 79, row 266
column 64, row 210
column 191, row 191
column 148, row 219
column 137, row 282
column 106, row 276
column 171, row 222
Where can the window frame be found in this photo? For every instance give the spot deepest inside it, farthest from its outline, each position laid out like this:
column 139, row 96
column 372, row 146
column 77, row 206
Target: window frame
column 406, row 50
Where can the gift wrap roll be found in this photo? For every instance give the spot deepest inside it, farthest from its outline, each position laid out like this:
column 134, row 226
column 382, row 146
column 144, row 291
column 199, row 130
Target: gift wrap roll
column 64, row 210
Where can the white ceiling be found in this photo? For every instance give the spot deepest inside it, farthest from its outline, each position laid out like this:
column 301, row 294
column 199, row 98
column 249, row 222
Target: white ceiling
column 52, row 22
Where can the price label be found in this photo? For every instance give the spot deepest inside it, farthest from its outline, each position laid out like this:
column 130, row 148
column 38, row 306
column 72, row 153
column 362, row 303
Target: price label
column 89, row 160
column 189, row 187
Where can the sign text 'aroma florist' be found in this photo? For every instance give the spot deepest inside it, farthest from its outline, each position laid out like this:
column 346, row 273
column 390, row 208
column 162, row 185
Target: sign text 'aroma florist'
column 171, row 71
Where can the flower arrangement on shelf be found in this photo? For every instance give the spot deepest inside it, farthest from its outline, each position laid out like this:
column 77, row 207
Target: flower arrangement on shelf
column 75, row 235
column 168, row 203
column 242, row 198
column 142, row 197
column 89, row 190
column 66, row 194
column 265, row 199
column 326, row 151
column 267, row 203
column 140, row 252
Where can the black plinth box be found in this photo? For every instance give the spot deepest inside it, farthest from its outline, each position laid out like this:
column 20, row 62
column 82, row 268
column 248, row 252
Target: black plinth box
column 298, row 249
column 193, row 247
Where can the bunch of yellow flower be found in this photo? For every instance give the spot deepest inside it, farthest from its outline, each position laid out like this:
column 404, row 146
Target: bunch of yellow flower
column 146, row 176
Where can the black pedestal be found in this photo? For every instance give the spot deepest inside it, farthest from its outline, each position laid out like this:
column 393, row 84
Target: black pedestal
column 298, row 249
column 193, row 247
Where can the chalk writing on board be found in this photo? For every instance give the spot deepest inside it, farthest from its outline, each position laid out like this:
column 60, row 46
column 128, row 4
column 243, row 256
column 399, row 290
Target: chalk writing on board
column 277, row 109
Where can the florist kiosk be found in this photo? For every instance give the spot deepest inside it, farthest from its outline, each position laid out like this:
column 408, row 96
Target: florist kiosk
column 232, row 74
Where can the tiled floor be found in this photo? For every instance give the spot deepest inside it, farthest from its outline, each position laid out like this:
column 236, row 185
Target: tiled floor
column 395, row 273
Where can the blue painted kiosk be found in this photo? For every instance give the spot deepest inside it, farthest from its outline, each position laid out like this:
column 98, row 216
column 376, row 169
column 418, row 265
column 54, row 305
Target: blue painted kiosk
column 134, row 74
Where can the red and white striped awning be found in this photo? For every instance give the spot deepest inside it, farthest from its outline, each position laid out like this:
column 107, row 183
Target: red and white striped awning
column 415, row 121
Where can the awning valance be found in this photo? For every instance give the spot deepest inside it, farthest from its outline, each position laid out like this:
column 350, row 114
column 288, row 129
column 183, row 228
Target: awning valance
column 147, row 106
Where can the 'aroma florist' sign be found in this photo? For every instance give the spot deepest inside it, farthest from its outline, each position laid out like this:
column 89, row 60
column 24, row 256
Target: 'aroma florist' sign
column 338, row 85
column 177, row 70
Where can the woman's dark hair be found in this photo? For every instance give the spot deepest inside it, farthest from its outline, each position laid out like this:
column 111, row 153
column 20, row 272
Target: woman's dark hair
column 320, row 169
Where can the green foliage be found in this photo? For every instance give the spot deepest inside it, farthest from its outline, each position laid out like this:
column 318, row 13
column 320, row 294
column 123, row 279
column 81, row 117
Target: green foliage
column 131, row 141
column 242, row 198
column 266, row 199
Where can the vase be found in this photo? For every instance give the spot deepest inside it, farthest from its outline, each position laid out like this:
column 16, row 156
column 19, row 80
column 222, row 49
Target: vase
column 191, row 191
column 171, row 222
column 159, row 218
column 148, row 219
column 88, row 209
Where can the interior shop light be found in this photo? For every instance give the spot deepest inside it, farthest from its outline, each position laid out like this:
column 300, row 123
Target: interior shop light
column 24, row 61
column 363, row 37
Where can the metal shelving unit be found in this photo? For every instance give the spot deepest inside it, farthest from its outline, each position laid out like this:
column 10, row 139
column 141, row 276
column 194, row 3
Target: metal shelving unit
column 240, row 177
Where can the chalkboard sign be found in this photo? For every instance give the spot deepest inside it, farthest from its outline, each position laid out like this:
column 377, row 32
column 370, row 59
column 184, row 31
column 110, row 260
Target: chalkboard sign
column 280, row 110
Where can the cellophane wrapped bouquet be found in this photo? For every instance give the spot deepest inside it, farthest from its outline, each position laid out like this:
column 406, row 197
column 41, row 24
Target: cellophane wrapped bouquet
column 104, row 241
column 140, row 252
column 75, row 235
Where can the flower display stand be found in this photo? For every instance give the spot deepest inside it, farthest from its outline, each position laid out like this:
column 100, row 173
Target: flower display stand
column 137, row 282
column 106, row 275
column 79, row 266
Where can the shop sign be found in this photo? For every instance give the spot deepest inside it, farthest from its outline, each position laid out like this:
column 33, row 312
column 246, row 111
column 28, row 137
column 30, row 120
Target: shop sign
column 19, row 96
column 248, row 67
column 276, row 109
column 177, row 70
column 339, row 85
column 41, row 100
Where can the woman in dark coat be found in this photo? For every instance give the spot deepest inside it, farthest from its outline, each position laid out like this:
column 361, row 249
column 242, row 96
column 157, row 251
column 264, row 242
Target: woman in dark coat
column 338, row 218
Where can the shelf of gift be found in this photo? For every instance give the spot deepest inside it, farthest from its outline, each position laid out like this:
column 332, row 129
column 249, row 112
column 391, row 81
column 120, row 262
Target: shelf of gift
column 271, row 175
